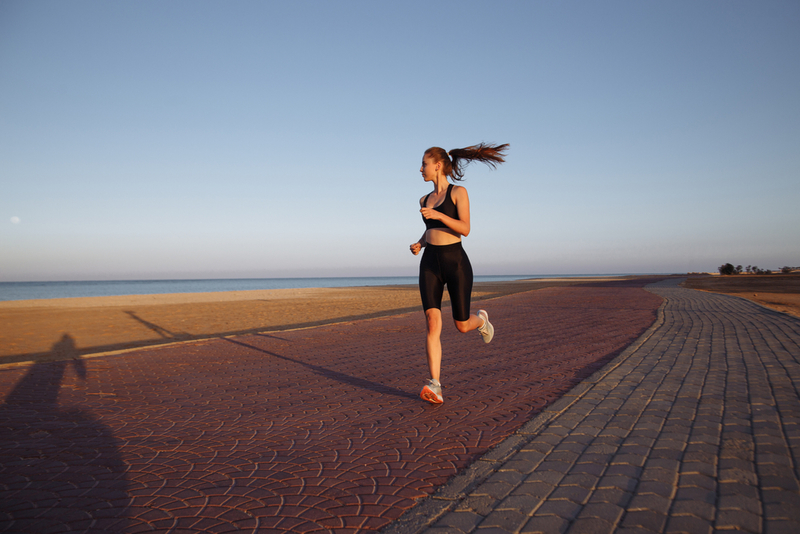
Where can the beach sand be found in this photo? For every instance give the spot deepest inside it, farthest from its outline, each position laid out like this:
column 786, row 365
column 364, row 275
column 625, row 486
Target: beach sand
column 780, row 292
column 39, row 330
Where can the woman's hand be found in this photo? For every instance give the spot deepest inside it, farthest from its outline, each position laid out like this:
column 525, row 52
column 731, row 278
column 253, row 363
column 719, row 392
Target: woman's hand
column 430, row 213
column 416, row 247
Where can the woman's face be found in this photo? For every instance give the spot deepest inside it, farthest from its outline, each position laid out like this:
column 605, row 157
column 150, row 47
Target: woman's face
column 429, row 169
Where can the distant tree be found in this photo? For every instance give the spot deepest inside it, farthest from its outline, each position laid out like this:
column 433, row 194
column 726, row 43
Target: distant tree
column 786, row 270
column 749, row 269
column 738, row 269
column 727, row 269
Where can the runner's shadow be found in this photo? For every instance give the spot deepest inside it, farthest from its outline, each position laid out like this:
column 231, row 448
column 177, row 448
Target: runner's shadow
column 61, row 469
column 334, row 375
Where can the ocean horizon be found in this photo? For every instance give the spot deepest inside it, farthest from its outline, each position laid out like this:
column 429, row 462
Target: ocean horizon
column 108, row 288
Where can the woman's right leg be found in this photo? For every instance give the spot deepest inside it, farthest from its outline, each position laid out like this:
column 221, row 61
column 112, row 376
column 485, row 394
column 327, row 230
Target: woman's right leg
column 431, row 289
column 433, row 343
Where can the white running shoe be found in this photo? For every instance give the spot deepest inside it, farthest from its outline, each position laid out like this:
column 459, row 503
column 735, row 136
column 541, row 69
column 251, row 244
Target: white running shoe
column 487, row 330
column 432, row 393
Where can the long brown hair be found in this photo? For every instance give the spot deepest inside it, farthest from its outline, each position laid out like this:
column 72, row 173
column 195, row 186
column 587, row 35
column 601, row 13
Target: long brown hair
column 491, row 155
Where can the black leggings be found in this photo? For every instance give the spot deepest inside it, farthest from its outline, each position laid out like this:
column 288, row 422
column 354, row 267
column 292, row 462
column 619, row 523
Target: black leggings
column 446, row 265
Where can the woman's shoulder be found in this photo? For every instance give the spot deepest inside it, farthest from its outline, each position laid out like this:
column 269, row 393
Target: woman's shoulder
column 458, row 191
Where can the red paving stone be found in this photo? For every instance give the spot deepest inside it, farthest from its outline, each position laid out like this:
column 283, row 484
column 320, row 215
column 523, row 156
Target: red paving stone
column 317, row 430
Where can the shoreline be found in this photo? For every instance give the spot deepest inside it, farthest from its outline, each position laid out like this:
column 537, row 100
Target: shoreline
column 71, row 290
column 269, row 294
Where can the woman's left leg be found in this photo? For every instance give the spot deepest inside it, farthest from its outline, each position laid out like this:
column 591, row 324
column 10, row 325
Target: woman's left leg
column 473, row 323
column 459, row 285
column 478, row 322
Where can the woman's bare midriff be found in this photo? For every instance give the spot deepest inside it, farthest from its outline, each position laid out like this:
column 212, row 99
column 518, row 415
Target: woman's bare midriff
column 436, row 236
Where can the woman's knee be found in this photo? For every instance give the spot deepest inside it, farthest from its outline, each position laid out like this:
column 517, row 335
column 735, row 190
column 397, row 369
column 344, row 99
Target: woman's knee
column 463, row 326
column 433, row 318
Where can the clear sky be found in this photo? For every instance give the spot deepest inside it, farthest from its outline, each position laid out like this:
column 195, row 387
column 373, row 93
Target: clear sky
column 196, row 139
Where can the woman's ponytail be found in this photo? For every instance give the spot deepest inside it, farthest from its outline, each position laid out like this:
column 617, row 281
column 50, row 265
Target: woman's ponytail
column 491, row 155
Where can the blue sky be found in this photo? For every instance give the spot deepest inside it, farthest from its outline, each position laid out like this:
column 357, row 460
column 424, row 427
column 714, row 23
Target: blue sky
column 265, row 139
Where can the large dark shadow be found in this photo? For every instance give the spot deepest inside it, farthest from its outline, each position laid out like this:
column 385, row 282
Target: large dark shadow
column 60, row 470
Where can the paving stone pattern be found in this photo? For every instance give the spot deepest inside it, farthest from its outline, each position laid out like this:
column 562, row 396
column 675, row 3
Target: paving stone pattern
column 317, row 430
column 694, row 430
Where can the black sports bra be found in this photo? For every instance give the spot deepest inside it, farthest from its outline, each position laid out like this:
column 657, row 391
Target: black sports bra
column 447, row 207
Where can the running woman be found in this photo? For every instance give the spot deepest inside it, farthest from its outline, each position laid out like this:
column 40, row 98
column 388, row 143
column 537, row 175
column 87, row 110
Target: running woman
column 445, row 211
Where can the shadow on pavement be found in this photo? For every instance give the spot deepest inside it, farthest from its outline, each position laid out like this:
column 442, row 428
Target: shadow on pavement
column 334, row 375
column 61, row 469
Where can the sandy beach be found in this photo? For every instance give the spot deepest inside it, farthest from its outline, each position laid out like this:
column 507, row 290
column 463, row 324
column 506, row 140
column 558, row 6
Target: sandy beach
column 41, row 330
column 35, row 330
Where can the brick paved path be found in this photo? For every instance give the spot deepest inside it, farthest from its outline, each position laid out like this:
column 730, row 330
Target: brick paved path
column 317, row 430
column 696, row 429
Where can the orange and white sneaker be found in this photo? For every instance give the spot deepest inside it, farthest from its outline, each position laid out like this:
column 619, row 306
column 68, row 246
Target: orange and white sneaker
column 432, row 392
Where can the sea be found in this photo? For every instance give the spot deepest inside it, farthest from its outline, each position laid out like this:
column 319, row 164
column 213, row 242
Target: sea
column 107, row 288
